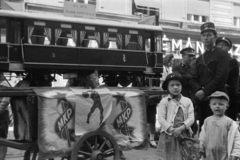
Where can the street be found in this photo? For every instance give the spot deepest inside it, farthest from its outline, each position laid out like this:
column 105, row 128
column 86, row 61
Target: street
column 145, row 154
column 130, row 155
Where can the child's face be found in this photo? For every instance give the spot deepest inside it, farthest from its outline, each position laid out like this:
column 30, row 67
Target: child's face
column 218, row 106
column 174, row 87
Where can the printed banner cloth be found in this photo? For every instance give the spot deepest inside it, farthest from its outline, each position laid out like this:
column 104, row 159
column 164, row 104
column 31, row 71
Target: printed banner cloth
column 92, row 108
column 55, row 121
column 127, row 121
column 65, row 113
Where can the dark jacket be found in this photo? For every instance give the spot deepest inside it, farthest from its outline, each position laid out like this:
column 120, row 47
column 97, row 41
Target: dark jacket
column 233, row 76
column 211, row 71
column 184, row 70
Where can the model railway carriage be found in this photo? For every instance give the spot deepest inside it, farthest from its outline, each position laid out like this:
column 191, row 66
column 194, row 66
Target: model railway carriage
column 82, row 122
column 63, row 45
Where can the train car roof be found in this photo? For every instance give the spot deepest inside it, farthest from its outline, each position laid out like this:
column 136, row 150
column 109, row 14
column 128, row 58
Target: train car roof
column 59, row 18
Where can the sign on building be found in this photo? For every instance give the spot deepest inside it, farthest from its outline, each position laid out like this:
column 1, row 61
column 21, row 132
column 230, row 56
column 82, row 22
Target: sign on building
column 150, row 20
column 72, row 9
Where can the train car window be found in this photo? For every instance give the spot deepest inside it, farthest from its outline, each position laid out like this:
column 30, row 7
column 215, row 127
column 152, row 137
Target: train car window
column 65, row 37
column 39, row 35
column 3, row 31
column 15, row 28
column 133, row 42
column 90, row 39
column 112, row 40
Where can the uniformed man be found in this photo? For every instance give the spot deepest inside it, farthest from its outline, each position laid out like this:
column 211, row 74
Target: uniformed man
column 210, row 73
column 233, row 76
column 188, row 54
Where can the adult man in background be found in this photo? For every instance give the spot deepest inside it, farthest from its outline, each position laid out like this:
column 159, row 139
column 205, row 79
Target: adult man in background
column 184, row 69
column 210, row 73
column 233, row 76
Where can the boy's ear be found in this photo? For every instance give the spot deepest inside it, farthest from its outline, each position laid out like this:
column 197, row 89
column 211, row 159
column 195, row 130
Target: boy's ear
column 227, row 103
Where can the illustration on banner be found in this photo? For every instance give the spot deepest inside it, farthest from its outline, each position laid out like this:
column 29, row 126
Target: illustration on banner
column 121, row 120
column 66, row 112
column 96, row 104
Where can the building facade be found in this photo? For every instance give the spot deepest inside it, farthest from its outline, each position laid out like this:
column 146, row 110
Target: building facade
column 180, row 19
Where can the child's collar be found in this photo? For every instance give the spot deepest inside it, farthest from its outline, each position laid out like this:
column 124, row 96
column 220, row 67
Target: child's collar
column 176, row 97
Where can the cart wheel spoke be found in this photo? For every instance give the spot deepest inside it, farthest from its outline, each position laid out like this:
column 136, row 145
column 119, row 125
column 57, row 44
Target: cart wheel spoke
column 84, row 153
column 96, row 143
column 89, row 146
column 105, row 141
column 109, row 150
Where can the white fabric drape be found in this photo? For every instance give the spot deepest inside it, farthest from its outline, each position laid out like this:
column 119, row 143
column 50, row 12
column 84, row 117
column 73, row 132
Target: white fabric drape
column 30, row 31
column 127, row 39
column 74, row 35
column 97, row 37
column 140, row 42
column 105, row 38
column 119, row 41
column 82, row 36
column 57, row 34
column 47, row 32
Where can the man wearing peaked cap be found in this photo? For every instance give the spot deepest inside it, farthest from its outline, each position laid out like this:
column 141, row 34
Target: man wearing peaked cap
column 224, row 42
column 184, row 69
column 208, row 26
column 233, row 76
column 188, row 51
column 211, row 71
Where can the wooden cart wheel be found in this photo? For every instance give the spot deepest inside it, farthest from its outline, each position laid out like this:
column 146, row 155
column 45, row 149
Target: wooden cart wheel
column 95, row 145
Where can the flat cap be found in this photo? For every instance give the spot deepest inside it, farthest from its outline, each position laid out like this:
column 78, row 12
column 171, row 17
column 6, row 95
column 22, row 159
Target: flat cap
column 208, row 26
column 188, row 51
column 228, row 41
column 219, row 94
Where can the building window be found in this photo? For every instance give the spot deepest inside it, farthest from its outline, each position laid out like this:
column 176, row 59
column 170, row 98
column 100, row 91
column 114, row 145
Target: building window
column 236, row 21
column 93, row 2
column 197, row 18
column 142, row 10
column 204, row 18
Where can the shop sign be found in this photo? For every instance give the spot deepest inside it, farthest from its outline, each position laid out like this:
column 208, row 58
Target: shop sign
column 174, row 45
column 73, row 9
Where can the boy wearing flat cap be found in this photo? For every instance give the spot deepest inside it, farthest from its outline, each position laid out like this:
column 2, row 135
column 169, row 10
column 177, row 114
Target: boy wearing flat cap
column 219, row 138
column 184, row 69
column 233, row 76
column 210, row 73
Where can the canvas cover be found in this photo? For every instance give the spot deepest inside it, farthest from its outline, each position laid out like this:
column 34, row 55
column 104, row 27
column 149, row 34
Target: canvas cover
column 66, row 113
column 127, row 121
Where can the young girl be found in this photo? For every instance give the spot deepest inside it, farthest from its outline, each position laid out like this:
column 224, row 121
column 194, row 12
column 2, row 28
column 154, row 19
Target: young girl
column 175, row 115
column 219, row 138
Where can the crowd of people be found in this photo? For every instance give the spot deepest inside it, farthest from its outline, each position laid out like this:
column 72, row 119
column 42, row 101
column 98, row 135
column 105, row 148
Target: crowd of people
column 203, row 89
